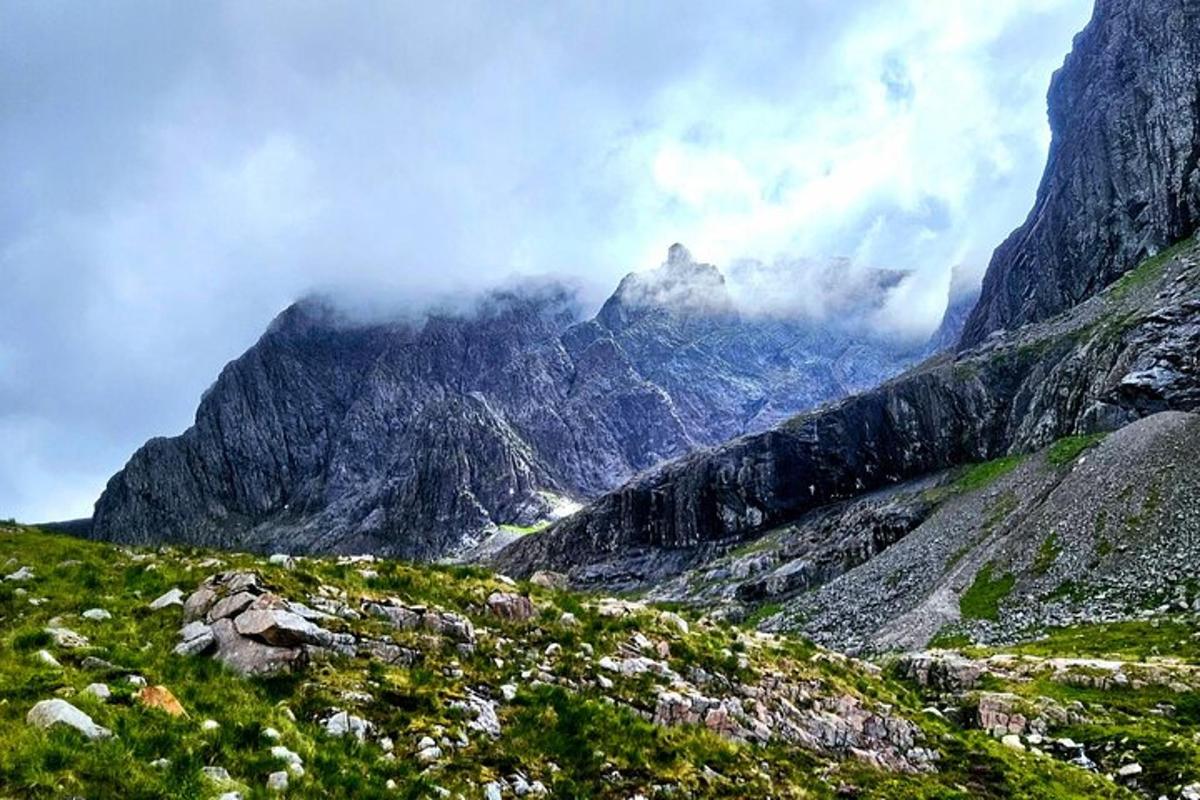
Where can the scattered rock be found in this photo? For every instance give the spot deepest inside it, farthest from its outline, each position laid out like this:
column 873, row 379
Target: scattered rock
column 66, row 638
column 98, row 690
column 509, row 606
column 48, row 713
column 343, row 723
column 277, row 781
column 171, row 598
column 96, row 614
column 160, row 697
column 23, row 574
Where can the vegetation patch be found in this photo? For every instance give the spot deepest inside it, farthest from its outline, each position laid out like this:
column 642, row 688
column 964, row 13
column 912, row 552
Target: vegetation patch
column 1047, row 554
column 982, row 600
column 1066, row 451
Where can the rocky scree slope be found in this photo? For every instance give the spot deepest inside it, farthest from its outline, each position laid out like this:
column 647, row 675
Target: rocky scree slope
column 418, row 439
column 1092, row 529
column 185, row 673
column 1123, row 178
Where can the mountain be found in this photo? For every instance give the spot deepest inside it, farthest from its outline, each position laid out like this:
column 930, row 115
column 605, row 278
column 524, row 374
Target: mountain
column 1123, row 178
column 1114, row 356
column 419, row 438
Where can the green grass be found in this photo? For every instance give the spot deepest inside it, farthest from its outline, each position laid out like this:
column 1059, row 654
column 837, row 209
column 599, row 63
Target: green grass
column 1148, row 272
column 580, row 740
column 975, row 477
column 1066, row 451
column 982, row 600
column 1047, row 554
column 1124, row 640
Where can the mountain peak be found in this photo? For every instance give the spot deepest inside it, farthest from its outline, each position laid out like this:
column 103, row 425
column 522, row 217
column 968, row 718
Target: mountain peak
column 678, row 255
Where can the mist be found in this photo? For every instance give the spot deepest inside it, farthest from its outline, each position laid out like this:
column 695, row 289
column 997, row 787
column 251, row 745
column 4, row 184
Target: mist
column 178, row 174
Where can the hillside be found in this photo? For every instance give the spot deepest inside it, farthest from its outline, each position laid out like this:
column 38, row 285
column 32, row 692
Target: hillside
column 364, row 678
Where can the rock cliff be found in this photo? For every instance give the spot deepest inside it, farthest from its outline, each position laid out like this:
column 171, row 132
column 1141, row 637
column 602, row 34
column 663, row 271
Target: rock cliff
column 1122, row 181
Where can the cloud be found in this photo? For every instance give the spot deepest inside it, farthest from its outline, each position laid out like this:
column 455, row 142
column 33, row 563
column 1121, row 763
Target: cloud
column 176, row 174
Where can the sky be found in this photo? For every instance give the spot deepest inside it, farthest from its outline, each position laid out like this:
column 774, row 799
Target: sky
column 176, row 173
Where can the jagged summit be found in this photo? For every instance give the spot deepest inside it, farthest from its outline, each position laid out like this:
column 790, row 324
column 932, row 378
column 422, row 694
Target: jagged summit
column 418, row 435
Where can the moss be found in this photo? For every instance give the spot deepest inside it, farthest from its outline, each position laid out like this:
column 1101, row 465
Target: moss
column 1066, row 451
column 982, row 600
column 1047, row 554
column 762, row 613
column 975, row 478
column 1148, row 272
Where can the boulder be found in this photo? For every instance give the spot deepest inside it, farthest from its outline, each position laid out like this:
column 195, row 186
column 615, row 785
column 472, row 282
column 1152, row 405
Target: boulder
column 49, row 713
column 160, row 697
column 171, row 598
column 250, row 657
column 510, row 606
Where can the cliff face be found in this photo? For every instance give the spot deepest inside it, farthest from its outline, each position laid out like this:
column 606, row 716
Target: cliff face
column 418, row 439
column 1122, row 179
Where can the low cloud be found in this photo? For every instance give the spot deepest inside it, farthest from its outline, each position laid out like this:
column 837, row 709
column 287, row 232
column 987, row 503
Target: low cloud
column 177, row 174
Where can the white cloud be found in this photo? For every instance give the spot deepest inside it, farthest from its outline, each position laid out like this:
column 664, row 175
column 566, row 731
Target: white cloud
column 178, row 174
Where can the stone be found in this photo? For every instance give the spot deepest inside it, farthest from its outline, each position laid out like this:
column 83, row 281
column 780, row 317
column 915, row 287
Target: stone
column 230, row 606
column 343, row 723
column 282, row 560
column 171, row 598
column 98, row 690
column 161, row 698
column 548, row 580
column 195, row 638
column 209, row 725
column 491, row 791
column 509, row 606
column 198, row 603
column 1129, row 770
column 49, row 660
column 96, row 614
column 49, row 713
column 249, row 657
column 66, row 638
column 280, row 628
column 1012, row 741
column 23, row 574
column 277, row 781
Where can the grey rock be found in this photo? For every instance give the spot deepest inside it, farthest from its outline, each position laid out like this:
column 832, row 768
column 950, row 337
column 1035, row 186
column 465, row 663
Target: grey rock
column 171, row 598
column 1122, row 181
column 513, row 607
column 250, row 657
column 48, row 713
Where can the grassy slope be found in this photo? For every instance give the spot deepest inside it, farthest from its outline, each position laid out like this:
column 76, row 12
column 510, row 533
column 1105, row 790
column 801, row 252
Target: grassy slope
column 601, row 749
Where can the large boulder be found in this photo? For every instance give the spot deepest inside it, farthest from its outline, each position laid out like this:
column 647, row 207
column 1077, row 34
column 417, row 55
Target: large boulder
column 49, row 713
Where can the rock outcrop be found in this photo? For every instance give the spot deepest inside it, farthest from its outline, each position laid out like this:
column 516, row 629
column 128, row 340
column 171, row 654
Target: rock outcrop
column 1123, row 177
column 417, row 439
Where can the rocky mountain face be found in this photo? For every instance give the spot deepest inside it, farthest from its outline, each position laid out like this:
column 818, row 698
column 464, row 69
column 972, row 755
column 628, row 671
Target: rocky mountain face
column 1122, row 181
column 1076, row 354
column 1122, row 355
column 418, row 438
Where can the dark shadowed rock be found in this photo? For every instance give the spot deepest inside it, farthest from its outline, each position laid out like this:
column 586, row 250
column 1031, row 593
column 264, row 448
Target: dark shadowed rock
column 1122, row 181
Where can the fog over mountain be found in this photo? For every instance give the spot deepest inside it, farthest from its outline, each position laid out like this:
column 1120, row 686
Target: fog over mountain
column 175, row 176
